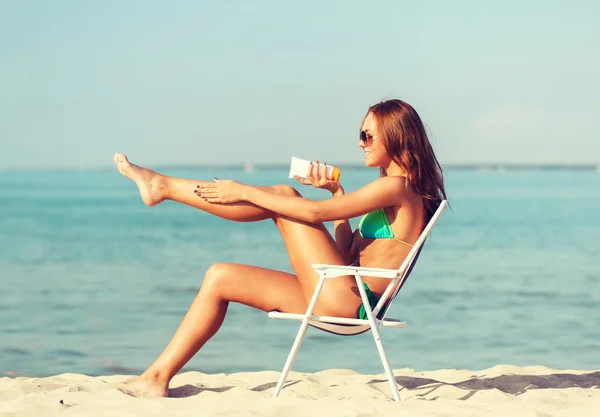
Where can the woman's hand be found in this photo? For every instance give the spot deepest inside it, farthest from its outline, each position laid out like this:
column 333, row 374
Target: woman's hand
column 317, row 177
column 221, row 191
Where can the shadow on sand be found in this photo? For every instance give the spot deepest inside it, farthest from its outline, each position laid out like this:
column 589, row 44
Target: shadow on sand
column 510, row 384
column 191, row 390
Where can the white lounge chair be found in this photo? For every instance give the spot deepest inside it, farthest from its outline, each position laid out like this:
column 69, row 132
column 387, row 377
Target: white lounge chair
column 352, row 326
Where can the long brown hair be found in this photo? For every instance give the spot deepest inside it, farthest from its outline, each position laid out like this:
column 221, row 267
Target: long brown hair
column 405, row 140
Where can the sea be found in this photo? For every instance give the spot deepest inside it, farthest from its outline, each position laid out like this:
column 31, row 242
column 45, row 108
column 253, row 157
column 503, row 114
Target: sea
column 93, row 281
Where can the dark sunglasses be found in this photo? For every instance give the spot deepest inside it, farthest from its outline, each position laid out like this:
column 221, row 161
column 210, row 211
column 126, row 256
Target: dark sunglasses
column 365, row 139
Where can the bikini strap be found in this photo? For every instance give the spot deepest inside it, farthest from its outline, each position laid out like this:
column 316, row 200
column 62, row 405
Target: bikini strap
column 401, row 241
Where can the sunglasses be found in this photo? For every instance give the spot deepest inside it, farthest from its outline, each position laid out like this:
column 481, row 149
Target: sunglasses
column 367, row 140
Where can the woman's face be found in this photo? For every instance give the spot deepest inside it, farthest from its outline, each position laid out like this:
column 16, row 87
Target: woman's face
column 375, row 153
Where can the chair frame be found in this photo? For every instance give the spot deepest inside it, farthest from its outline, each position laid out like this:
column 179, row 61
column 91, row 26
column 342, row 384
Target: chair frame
column 353, row 326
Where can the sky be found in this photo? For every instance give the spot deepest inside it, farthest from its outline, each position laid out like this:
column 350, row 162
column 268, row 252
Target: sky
column 198, row 82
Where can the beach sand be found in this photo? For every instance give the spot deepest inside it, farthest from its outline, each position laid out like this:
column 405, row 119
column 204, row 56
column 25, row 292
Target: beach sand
column 502, row 390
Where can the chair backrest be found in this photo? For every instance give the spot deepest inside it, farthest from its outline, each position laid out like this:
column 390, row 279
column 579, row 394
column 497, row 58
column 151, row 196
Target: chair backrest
column 405, row 270
column 410, row 261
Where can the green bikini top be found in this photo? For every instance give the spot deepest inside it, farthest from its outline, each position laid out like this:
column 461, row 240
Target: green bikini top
column 375, row 225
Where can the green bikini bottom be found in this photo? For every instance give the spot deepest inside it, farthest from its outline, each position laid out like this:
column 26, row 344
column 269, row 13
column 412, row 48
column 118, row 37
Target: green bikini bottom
column 373, row 300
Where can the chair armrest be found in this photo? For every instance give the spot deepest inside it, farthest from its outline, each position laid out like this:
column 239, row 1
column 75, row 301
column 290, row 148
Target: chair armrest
column 333, row 271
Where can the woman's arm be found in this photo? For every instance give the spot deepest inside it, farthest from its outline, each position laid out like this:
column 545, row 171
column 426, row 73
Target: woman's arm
column 383, row 192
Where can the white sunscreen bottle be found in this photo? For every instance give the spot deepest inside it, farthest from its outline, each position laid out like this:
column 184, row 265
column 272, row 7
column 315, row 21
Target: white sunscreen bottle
column 300, row 168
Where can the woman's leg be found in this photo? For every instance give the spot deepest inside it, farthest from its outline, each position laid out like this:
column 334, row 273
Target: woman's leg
column 306, row 243
column 155, row 188
column 261, row 288
column 311, row 243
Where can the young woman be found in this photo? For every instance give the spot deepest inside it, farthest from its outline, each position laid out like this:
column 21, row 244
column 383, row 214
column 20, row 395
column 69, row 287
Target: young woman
column 396, row 208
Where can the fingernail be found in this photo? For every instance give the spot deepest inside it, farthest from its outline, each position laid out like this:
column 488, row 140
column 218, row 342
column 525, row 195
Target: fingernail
column 195, row 191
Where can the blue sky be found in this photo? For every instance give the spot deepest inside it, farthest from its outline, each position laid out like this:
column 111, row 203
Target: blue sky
column 216, row 82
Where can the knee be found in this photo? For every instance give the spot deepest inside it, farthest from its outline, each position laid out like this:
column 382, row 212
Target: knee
column 214, row 277
column 287, row 190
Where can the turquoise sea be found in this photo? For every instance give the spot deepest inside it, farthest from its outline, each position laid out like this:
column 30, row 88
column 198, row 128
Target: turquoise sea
column 92, row 281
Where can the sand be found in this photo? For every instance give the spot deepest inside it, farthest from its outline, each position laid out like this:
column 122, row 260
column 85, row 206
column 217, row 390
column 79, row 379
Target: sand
column 499, row 391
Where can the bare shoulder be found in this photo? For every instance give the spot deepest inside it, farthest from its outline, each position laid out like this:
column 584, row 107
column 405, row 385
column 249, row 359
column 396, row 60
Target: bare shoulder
column 395, row 186
column 394, row 182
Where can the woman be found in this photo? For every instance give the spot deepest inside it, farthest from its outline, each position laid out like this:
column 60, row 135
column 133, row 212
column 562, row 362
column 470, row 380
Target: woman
column 397, row 207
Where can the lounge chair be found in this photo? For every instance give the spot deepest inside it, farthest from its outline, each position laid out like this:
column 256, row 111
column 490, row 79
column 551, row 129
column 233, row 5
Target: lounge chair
column 352, row 326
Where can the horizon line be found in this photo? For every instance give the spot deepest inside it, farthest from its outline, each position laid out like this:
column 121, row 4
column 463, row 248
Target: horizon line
column 252, row 166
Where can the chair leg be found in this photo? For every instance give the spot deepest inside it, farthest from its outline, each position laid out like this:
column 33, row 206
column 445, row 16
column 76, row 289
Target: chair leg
column 384, row 359
column 386, row 363
column 291, row 357
column 299, row 338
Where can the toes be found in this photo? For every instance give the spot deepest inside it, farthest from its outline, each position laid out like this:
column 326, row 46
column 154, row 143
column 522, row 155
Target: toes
column 119, row 158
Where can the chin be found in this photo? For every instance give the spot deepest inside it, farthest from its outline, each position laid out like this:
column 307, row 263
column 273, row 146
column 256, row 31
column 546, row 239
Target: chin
column 371, row 162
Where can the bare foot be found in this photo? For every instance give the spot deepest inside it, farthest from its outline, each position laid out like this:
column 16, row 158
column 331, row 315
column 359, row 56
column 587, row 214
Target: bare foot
column 145, row 386
column 149, row 182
